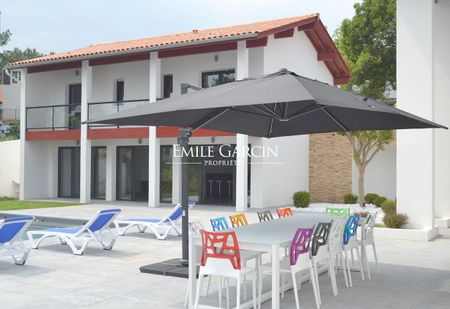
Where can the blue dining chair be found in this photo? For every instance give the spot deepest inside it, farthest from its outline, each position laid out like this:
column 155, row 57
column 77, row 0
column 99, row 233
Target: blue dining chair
column 219, row 224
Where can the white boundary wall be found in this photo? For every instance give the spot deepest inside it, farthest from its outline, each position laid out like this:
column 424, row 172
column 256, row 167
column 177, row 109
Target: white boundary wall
column 380, row 174
column 9, row 168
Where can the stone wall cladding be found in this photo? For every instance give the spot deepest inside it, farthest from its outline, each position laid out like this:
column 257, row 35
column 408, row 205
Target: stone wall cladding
column 330, row 167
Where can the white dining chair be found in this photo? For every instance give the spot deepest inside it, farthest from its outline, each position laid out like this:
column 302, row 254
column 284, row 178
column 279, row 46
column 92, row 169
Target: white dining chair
column 350, row 244
column 368, row 239
column 335, row 241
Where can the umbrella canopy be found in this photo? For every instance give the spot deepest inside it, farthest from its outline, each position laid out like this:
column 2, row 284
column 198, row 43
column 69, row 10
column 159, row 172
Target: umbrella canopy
column 279, row 104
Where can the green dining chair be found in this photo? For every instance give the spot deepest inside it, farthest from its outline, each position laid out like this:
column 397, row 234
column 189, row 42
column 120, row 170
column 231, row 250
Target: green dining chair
column 341, row 212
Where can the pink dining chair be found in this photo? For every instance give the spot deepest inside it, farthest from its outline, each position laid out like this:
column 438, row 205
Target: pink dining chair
column 298, row 261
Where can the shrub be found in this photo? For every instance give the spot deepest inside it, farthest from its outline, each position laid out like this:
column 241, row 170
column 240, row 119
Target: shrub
column 370, row 198
column 301, row 199
column 395, row 221
column 389, row 206
column 379, row 200
column 350, row 198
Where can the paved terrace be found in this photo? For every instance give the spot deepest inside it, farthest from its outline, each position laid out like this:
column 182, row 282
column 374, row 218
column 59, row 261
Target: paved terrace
column 413, row 274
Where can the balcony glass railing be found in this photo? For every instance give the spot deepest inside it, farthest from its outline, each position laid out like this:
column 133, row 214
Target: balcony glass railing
column 60, row 117
column 9, row 114
column 53, row 117
column 98, row 109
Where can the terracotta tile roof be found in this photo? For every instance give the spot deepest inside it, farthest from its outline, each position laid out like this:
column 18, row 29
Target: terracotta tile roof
column 231, row 32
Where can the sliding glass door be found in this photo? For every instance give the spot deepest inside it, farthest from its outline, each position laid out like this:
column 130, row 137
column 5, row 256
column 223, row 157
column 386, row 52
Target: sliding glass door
column 98, row 172
column 132, row 173
column 69, row 172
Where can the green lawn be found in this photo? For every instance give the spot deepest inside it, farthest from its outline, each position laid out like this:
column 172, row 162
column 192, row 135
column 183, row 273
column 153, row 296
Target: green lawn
column 7, row 203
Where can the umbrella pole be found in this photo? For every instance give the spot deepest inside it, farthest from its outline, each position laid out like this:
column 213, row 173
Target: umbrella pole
column 183, row 141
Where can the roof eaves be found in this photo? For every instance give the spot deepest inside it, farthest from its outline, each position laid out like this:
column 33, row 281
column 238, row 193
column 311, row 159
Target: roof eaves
column 128, row 51
column 295, row 24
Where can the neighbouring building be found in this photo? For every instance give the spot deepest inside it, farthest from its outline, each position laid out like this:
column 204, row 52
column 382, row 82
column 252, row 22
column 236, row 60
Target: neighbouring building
column 61, row 157
column 10, row 98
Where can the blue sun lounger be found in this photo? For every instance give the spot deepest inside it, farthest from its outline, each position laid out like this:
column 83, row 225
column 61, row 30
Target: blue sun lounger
column 161, row 227
column 11, row 238
column 97, row 229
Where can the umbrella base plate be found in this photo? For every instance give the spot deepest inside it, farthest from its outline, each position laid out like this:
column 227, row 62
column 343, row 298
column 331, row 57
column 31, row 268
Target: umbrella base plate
column 171, row 268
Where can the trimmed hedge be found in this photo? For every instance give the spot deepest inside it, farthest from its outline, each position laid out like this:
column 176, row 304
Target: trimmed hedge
column 370, row 198
column 301, row 199
column 350, row 198
column 379, row 201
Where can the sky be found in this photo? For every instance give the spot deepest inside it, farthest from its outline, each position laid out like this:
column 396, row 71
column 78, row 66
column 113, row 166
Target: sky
column 61, row 25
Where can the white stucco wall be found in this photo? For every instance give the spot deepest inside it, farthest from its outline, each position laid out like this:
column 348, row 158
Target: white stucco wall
column 134, row 74
column 38, row 170
column 286, row 173
column 441, row 93
column 256, row 62
column 276, row 179
column 50, row 88
column 415, row 158
column 188, row 69
column 423, row 77
column 9, row 168
column 380, row 174
column 296, row 54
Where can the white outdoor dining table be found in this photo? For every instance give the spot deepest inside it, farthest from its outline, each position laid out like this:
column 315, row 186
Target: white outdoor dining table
column 267, row 236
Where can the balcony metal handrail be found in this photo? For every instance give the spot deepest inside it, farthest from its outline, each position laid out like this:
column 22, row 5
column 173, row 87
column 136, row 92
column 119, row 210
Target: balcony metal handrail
column 48, row 106
column 118, row 102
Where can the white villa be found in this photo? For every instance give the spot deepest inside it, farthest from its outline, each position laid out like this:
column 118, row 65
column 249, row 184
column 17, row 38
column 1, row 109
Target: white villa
column 60, row 157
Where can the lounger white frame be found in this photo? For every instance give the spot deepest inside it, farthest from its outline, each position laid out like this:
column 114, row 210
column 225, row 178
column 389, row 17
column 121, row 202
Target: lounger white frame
column 15, row 246
column 93, row 230
column 160, row 227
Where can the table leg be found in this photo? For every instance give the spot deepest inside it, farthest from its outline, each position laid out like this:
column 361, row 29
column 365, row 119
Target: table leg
column 192, row 273
column 275, row 277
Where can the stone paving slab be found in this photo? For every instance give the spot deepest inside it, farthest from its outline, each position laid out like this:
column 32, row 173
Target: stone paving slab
column 413, row 274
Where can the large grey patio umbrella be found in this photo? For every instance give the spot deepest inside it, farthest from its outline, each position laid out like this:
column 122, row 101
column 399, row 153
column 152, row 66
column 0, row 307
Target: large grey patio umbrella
column 279, row 104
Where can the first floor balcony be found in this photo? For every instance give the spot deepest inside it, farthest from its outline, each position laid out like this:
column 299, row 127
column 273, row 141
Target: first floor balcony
column 68, row 116
column 8, row 115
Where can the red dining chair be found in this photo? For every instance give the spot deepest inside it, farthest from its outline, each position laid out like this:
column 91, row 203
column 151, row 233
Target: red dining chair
column 284, row 212
column 221, row 257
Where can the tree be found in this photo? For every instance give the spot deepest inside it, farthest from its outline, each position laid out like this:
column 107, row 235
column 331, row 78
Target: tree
column 365, row 145
column 13, row 133
column 5, row 36
column 16, row 54
column 368, row 44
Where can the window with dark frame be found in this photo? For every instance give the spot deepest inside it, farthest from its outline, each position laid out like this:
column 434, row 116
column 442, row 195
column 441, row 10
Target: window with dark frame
column 215, row 78
column 167, row 86
column 120, row 90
